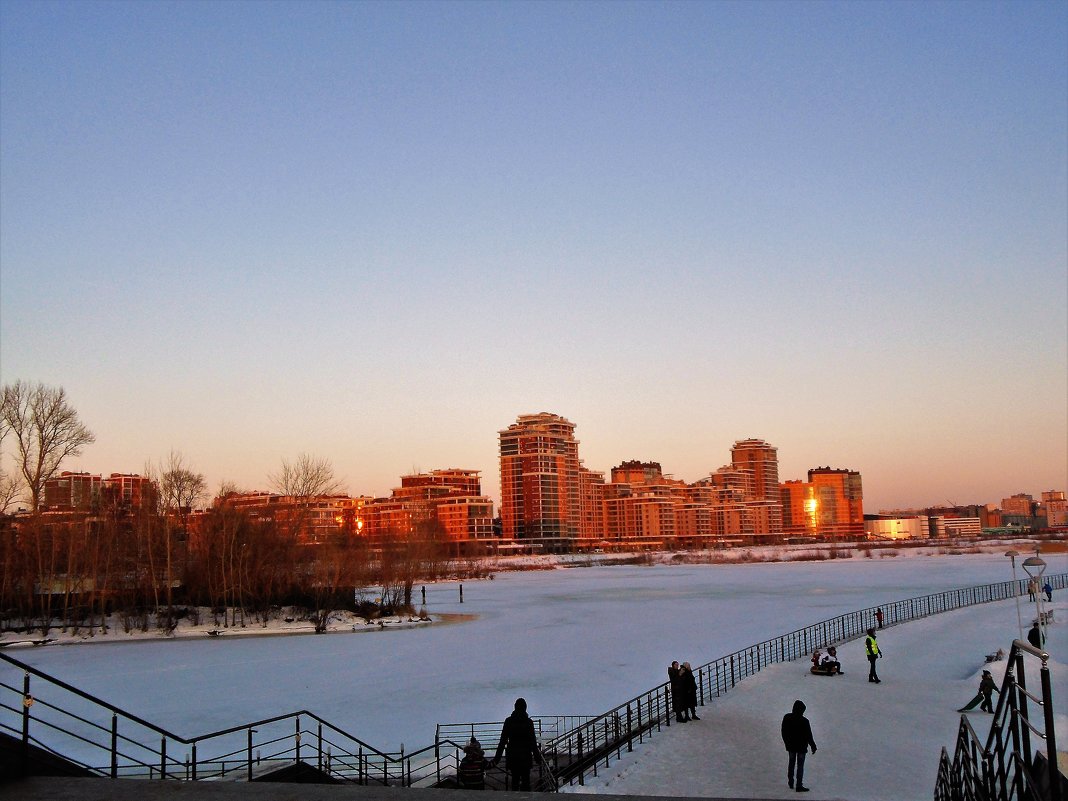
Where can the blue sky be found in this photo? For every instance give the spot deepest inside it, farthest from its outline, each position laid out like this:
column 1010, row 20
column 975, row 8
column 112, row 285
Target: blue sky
column 378, row 232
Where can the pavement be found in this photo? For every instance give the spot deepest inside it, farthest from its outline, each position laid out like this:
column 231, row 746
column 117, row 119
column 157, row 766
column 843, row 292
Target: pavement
column 43, row 788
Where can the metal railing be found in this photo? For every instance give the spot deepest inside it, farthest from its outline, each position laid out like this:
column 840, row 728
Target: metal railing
column 1003, row 767
column 596, row 742
column 48, row 714
column 43, row 712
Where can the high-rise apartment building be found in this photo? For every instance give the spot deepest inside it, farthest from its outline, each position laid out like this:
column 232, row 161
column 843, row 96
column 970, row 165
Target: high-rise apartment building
column 828, row 505
column 839, row 499
column 761, row 460
column 541, row 493
column 591, row 505
column 642, row 505
column 798, row 507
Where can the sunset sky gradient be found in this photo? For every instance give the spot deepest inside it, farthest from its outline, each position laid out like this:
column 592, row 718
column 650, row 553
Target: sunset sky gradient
column 379, row 232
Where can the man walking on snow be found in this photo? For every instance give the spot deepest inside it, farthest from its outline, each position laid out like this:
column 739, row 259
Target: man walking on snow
column 797, row 737
column 871, row 647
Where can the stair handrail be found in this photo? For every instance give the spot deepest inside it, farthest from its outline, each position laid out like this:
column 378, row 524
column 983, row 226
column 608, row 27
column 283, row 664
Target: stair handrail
column 1000, row 767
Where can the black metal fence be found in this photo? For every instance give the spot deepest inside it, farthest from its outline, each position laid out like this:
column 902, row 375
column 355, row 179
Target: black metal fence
column 45, row 715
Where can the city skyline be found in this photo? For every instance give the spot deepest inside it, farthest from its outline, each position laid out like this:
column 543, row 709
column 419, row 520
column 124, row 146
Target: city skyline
column 378, row 232
column 492, row 489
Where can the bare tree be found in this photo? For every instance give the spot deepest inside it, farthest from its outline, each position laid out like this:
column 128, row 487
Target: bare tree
column 306, row 477
column 179, row 490
column 322, row 563
column 47, row 430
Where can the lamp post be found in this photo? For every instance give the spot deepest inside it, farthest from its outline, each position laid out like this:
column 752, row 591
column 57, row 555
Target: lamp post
column 1035, row 567
column 1016, row 590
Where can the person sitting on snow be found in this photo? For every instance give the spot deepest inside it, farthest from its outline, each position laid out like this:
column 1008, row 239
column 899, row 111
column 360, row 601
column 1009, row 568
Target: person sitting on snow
column 829, row 661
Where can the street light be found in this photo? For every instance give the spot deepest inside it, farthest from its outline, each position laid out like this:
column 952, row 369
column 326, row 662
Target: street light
column 1035, row 567
column 1016, row 590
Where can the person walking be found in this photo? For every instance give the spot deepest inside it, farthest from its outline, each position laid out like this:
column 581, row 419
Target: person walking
column 1034, row 636
column 688, row 684
column 797, row 737
column 984, row 697
column 879, row 616
column 519, row 744
column 871, row 647
column 1048, row 589
column 471, row 773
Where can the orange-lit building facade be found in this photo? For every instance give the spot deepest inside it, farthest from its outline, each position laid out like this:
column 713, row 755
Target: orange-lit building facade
column 591, row 505
column 758, row 458
column 309, row 520
column 798, row 507
column 71, row 492
column 129, row 489
column 839, row 502
column 541, row 490
column 830, row 505
column 452, row 498
column 1056, row 504
column 641, row 505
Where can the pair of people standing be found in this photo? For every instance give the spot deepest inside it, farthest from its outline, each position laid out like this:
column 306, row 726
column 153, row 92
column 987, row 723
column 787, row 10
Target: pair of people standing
column 683, row 692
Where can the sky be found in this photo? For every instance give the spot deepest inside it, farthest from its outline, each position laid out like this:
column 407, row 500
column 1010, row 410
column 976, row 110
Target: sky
column 377, row 233
column 583, row 641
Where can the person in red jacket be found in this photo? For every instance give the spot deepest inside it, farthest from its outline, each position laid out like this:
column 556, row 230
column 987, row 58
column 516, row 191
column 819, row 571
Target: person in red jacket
column 797, row 737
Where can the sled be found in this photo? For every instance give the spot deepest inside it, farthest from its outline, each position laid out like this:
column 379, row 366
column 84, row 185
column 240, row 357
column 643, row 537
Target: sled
column 818, row 671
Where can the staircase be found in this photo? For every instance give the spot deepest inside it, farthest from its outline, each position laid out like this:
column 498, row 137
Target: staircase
column 1003, row 767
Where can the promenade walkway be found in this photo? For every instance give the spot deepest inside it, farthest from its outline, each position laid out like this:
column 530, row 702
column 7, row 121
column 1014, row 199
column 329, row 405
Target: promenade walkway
column 876, row 742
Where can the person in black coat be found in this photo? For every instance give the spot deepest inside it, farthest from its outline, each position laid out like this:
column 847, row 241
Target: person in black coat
column 678, row 703
column 519, row 744
column 797, row 737
column 688, row 690
column 1034, row 636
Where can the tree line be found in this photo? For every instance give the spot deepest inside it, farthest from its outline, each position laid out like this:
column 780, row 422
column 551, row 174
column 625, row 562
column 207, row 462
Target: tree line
column 153, row 562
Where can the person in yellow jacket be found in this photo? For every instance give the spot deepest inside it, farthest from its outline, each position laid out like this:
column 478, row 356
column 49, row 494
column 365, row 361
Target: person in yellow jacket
column 871, row 647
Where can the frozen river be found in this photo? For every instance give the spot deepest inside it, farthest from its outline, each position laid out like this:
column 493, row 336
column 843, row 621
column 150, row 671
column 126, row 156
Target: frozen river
column 573, row 641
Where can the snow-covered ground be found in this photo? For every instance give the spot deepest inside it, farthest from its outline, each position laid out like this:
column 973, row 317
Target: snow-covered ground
column 580, row 641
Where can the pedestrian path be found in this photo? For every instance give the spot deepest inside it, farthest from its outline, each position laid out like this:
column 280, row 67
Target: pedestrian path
column 876, row 742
